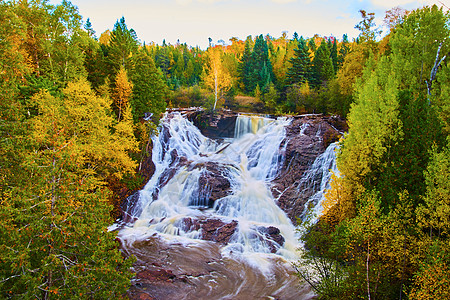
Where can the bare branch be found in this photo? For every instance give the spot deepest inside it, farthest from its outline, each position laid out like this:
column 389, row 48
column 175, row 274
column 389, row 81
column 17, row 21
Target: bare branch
column 438, row 61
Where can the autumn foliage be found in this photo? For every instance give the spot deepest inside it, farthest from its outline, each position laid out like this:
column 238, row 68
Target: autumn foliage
column 388, row 206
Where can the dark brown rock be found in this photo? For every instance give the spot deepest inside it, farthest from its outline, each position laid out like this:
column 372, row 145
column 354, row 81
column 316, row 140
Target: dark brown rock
column 306, row 138
column 215, row 125
column 129, row 208
column 147, row 166
column 143, row 296
column 212, row 184
column 211, row 229
column 273, row 236
column 156, row 275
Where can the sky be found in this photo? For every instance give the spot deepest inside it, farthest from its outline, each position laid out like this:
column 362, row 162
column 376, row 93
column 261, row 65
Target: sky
column 194, row 21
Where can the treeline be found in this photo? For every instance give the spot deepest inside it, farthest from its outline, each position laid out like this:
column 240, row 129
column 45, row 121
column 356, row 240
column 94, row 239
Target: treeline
column 282, row 74
column 385, row 229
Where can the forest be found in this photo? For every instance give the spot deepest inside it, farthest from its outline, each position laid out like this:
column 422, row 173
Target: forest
column 77, row 110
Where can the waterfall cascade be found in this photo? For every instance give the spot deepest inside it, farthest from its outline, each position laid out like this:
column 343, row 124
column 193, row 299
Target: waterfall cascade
column 249, row 124
column 317, row 179
column 181, row 189
column 197, row 179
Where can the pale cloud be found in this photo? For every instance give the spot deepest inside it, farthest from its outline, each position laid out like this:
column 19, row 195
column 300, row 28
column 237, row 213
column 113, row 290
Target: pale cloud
column 184, row 2
column 390, row 3
column 210, row 1
column 283, row 1
column 187, row 2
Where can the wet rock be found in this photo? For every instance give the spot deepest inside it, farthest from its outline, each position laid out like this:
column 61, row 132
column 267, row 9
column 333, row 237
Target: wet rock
column 213, row 184
column 160, row 283
column 130, row 208
column 214, row 125
column 273, row 237
column 156, row 275
column 147, row 166
column 211, row 229
column 143, row 296
column 306, row 138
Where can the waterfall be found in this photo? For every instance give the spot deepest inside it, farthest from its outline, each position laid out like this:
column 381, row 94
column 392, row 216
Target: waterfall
column 317, row 180
column 249, row 124
column 187, row 164
column 201, row 188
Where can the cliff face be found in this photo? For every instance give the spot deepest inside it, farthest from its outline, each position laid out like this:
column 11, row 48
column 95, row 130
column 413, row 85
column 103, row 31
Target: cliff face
column 214, row 125
column 306, row 138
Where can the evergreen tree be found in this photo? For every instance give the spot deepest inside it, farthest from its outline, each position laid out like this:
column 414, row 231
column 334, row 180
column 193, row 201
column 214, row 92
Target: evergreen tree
column 300, row 70
column 312, row 45
column 150, row 89
column 343, row 51
column 89, row 29
column 245, row 67
column 334, row 54
column 261, row 72
column 322, row 65
column 123, row 44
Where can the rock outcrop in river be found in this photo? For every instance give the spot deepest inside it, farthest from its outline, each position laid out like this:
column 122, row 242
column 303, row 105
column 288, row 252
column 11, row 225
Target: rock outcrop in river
column 307, row 137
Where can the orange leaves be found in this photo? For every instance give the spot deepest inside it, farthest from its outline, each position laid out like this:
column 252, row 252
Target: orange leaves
column 433, row 282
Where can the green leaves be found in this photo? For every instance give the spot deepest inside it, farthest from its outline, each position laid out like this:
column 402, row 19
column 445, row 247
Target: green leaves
column 256, row 68
column 393, row 185
column 150, row 88
column 56, row 244
column 300, row 70
column 123, row 44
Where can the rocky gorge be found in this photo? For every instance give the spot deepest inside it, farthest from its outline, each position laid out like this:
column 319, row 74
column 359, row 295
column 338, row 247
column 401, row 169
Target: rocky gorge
column 213, row 206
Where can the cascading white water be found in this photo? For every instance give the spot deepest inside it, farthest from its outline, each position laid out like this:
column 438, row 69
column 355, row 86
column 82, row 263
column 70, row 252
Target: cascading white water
column 249, row 124
column 180, row 190
column 249, row 163
column 317, row 179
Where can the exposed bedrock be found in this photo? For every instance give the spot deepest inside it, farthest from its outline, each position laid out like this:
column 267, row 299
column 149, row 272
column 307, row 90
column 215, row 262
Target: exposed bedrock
column 211, row 229
column 212, row 183
column 306, row 138
column 214, row 125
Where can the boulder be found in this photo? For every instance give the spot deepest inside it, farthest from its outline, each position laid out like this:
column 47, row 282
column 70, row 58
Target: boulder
column 130, row 209
column 214, row 125
column 156, row 275
column 273, row 237
column 212, row 184
column 211, row 229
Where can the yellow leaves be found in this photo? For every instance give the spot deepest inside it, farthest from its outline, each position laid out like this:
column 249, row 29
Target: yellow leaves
column 433, row 282
column 339, row 203
column 351, row 69
column 122, row 91
column 105, row 38
column 216, row 76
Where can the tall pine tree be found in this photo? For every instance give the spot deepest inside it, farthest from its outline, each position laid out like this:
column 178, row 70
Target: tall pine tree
column 150, row 88
column 300, row 70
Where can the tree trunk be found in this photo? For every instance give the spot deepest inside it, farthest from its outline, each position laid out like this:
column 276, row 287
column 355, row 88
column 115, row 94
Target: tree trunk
column 367, row 269
column 434, row 70
column 215, row 89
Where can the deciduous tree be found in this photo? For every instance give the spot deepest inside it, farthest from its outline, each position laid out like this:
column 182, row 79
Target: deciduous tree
column 216, row 76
